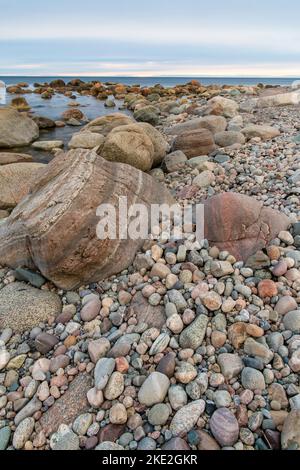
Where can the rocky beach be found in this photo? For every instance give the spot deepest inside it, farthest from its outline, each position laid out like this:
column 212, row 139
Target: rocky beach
column 166, row 344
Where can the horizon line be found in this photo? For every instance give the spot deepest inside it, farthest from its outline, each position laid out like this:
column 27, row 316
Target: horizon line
column 150, row 76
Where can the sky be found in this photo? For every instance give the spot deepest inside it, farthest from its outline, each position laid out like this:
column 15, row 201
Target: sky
column 259, row 38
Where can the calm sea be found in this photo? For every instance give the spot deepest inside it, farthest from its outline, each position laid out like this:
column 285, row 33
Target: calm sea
column 165, row 81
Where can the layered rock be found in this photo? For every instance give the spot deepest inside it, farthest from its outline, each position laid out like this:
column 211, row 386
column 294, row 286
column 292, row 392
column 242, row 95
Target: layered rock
column 54, row 229
column 241, row 224
column 16, row 130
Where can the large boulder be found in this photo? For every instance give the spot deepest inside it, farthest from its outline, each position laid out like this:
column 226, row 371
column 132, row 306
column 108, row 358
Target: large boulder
column 16, row 130
column 281, row 99
column 129, row 144
column 105, row 124
column 212, row 123
column 8, row 157
column 55, row 228
column 148, row 114
column 195, row 143
column 220, row 106
column 161, row 146
column 262, row 131
column 15, row 181
column 241, row 224
column 23, row 307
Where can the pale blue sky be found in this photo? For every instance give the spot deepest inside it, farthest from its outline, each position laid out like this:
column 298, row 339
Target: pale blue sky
column 157, row 37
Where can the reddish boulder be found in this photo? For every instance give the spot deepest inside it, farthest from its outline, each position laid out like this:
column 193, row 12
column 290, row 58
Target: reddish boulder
column 195, row 143
column 241, row 224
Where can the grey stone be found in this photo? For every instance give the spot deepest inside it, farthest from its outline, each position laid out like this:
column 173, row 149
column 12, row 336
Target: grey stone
column 193, row 336
column 64, row 439
column 103, row 370
column 154, row 389
column 253, row 379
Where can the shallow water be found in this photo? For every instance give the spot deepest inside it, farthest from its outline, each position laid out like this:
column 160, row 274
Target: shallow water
column 54, row 109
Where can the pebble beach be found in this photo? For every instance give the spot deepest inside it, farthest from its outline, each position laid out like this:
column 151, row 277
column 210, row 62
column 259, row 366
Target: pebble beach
column 166, row 344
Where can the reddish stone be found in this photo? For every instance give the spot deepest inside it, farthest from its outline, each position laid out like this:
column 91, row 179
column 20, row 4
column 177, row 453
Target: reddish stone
column 68, row 406
column 237, row 334
column 176, row 444
column 59, row 362
column 122, row 365
column 242, row 415
column 111, row 432
column 207, row 442
column 280, row 269
column 45, row 342
column 154, row 317
column 267, row 288
column 241, row 224
column 194, row 143
column 91, row 443
column 65, row 316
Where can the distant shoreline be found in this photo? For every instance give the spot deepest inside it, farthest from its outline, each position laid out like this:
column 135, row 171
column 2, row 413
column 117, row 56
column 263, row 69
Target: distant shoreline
column 150, row 81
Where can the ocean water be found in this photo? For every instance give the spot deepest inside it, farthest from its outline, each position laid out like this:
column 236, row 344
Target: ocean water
column 94, row 108
column 164, row 81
